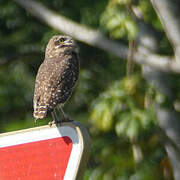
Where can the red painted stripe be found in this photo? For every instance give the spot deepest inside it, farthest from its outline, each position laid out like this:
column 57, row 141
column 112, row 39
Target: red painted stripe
column 40, row 160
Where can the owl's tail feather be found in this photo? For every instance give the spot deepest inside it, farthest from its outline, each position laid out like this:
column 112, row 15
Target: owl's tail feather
column 40, row 112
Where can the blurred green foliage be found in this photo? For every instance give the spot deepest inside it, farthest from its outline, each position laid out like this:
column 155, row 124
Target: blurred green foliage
column 122, row 106
column 117, row 19
column 117, row 109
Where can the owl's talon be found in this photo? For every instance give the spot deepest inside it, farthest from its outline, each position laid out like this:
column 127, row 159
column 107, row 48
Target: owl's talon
column 51, row 123
column 56, row 120
column 59, row 122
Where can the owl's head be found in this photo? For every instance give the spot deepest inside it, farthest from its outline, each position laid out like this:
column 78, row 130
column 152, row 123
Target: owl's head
column 59, row 44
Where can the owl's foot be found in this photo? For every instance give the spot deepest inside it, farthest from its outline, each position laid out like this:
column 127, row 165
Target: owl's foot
column 59, row 122
column 51, row 123
column 55, row 120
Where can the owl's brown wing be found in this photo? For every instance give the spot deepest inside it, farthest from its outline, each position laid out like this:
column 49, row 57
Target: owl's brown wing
column 54, row 83
column 41, row 87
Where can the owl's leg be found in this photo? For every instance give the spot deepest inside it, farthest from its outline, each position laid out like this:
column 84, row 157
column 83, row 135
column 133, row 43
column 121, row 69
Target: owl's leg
column 55, row 118
column 65, row 117
column 61, row 110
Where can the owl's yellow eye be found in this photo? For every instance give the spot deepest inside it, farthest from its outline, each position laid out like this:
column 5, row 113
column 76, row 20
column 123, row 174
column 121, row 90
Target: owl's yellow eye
column 61, row 40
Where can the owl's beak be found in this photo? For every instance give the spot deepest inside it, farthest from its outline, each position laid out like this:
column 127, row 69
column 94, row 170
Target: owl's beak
column 69, row 41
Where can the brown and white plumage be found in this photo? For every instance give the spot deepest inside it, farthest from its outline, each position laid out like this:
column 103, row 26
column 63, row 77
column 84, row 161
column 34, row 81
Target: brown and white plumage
column 56, row 76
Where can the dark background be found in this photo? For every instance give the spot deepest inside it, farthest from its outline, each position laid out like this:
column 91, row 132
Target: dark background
column 118, row 109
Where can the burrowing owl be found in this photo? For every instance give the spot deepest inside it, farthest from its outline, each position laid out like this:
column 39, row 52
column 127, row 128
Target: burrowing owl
column 56, row 76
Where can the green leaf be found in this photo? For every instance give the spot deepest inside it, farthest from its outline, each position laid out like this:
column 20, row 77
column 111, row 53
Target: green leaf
column 133, row 128
column 122, row 124
column 102, row 117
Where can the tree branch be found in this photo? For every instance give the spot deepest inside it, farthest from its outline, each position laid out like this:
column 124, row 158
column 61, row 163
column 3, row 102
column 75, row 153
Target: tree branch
column 168, row 12
column 168, row 119
column 96, row 38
